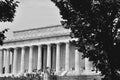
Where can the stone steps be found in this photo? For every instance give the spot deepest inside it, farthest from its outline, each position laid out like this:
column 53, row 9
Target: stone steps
column 81, row 77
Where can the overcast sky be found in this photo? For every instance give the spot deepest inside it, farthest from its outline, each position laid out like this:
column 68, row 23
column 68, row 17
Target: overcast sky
column 33, row 14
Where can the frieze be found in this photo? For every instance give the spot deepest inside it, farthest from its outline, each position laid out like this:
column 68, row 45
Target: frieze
column 37, row 41
column 46, row 31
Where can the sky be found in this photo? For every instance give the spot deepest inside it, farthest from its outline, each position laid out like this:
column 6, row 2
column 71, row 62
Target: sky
column 33, row 14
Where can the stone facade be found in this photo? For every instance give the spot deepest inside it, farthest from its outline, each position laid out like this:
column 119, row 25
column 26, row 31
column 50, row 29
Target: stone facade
column 40, row 48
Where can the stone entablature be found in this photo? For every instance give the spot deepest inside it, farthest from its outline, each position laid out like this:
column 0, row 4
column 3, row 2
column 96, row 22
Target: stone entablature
column 43, row 32
column 50, row 34
column 36, row 41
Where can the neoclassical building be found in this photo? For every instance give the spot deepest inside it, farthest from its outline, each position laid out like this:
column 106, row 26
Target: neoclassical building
column 39, row 48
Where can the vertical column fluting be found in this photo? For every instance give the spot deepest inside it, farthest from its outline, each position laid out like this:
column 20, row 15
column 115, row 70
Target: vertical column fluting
column 54, row 57
column 49, row 55
column 77, row 61
column 15, row 61
column 57, row 57
column 30, row 59
column 22, row 59
column 44, row 57
column 4, row 60
column 10, row 61
column 67, row 56
column 1, row 61
column 39, row 62
column 7, row 62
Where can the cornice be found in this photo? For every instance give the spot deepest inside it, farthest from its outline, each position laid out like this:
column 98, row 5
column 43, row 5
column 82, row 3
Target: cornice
column 35, row 37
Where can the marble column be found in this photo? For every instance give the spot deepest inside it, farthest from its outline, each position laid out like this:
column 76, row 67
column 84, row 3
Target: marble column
column 1, row 62
column 39, row 62
column 77, row 61
column 67, row 57
column 7, row 61
column 49, row 55
column 88, row 68
column 87, row 65
column 53, row 57
column 4, row 59
column 11, row 62
column 30, row 59
column 57, row 57
column 22, row 59
column 44, row 57
column 11, row 57
column 15, row 61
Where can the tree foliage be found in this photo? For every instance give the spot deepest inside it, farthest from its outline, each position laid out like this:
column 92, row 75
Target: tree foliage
column 96, row 26
column 7, row 13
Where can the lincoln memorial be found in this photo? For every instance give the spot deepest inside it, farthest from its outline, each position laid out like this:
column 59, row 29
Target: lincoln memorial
column 39, row 48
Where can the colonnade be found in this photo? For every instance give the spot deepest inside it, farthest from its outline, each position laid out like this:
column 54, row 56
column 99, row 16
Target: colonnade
column 39, row 61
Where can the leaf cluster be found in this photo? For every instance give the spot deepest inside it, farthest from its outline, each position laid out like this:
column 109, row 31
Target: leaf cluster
column 7, row 13
column 2, row 36
column 96, row 26
column 7, row 10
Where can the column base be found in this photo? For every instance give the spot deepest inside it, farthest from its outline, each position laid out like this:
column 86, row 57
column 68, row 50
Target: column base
column 74, row 73
column 57, row 73
column 2, row 75
column 68, row 73
column 6, row 75
column 77, row 73
column 20, row 74
column 89, row 72
column 64, row 73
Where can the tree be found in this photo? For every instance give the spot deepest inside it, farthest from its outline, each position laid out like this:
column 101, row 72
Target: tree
column 7, row 13
column 95, row 24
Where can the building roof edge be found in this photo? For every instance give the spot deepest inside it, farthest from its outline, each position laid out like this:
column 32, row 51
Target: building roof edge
column 36, row 28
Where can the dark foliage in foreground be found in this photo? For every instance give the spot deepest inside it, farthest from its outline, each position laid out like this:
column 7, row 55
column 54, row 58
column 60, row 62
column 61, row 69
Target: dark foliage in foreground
column 7, row 13
column 95, row 24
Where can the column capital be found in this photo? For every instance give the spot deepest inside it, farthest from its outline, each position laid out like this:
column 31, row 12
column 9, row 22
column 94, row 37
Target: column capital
column 39, row 45
column 67, row 42
column 48, row 44
column 58, row 43
column 23, row 47
column 31, row 46
column 53, row 45
column 7, row 49
column 15, row 48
